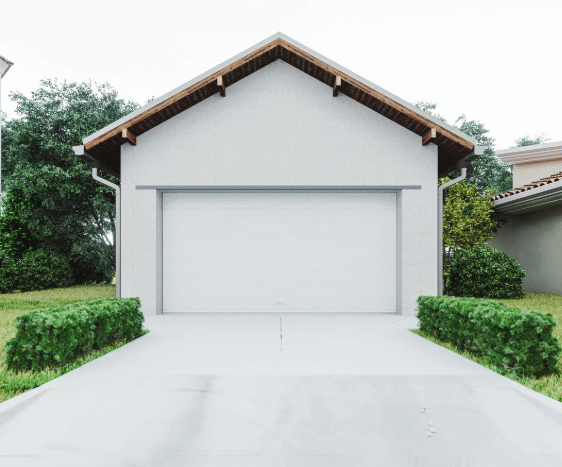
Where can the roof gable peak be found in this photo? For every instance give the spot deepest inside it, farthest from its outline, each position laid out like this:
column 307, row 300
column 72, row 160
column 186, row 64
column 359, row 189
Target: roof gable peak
column 103, row 146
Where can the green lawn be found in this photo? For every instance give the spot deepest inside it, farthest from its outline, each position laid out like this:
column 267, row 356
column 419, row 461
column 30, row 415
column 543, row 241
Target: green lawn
column 551, row 385
column 11, row 305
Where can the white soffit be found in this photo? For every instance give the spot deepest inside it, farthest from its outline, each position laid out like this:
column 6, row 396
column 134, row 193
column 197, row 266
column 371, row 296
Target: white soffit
column 530, row 154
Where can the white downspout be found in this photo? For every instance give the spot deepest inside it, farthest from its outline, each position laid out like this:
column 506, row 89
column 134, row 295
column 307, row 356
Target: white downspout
column 440, row 228
column 117, row 228
column 80, row 151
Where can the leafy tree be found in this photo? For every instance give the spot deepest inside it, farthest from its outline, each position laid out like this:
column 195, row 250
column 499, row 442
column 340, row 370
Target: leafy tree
column 468, row 220
column 528, row 141
column 15, row 237
column 487, row 171
column 430, row 107
column 52, row 201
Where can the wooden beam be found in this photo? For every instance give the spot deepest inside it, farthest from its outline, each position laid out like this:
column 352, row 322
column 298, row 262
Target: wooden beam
column 337, row 86
column 429, row 137
column 129, row 137
column 222, row 88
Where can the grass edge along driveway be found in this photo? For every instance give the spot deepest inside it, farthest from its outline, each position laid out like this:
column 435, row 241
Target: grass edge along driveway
column 13, row 304
column 551, row 385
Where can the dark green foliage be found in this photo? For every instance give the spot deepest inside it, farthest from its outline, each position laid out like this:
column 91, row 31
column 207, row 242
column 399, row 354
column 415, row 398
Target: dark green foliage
column 15, row 237
column 484, row 272
column 36, row 270
column 52, row 200
column 518, row 340
column 486, row 171
column 56, row 336
column 530, row 141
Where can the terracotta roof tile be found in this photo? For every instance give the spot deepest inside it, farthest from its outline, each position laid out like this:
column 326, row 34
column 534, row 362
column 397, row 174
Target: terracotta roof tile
column 529, row 186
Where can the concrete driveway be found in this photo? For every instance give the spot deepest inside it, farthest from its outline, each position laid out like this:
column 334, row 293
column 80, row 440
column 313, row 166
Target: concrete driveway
column 291, row 390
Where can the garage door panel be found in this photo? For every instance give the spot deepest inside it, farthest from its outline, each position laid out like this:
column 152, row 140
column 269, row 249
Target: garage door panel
column 275, row 292
column 279, row 251
column 284, row 228
column 368, row 281
column 280, row 215
column 287, row 240
column 251, row 304
column 264, row 267
column 266, row 201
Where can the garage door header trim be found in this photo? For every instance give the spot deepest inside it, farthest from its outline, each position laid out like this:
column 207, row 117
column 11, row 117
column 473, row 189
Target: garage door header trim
column 278, row 189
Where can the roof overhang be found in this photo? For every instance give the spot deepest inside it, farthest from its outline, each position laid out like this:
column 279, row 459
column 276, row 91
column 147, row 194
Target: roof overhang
column 454, row 146
column 530, row 154
column 5, row 65
column 543, row 197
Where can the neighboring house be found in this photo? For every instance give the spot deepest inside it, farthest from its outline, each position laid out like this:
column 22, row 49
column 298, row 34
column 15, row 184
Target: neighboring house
column 4, row 67
column 533, row 233
column 279, row 181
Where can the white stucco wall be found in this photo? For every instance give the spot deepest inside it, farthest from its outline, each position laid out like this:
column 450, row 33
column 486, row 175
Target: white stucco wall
column 278, row 126
column 534, row 240
column 527, row 173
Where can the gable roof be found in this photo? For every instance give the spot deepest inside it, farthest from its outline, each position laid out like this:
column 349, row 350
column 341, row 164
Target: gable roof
column 529, row 186
column 454, row 146
column 5, row 65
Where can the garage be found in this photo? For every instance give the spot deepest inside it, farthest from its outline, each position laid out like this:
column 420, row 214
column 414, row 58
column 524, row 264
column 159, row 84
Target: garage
column 279, row 251
column 278, row 181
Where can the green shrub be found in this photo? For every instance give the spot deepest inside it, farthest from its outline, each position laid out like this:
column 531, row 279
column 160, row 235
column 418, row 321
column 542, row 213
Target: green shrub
column 56, row 336
column 519, row 340
column 36, row 270
column 484, row 272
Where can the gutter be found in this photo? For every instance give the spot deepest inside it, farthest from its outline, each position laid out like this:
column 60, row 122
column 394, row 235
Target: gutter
column 440, row 228
column 535, row 199
column 79, row 151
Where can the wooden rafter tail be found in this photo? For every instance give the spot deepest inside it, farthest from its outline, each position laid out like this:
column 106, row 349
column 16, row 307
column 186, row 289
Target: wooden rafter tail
column 221, row 86
column 337, row 86
column 429, row 137
column 129, row 137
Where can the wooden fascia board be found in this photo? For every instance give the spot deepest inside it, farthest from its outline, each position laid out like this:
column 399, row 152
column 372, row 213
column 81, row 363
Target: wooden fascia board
column 304, row 55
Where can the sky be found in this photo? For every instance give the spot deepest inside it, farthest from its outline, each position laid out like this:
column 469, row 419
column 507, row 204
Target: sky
column 496, row 61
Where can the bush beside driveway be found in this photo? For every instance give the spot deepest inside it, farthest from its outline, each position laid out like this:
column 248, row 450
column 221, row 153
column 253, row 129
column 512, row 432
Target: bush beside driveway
column 549, row 385
column 13, row 304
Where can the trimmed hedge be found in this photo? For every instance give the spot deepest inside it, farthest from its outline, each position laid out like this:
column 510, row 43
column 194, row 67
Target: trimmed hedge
column 484, row 272
column 518, row 340
column 56, row 336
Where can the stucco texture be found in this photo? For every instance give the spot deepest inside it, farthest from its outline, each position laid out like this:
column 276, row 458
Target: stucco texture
column 278, row 126
column 528, row 173
column 534, row 240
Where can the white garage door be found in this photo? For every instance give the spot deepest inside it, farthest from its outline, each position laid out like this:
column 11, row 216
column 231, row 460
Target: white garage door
column 279, row 252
